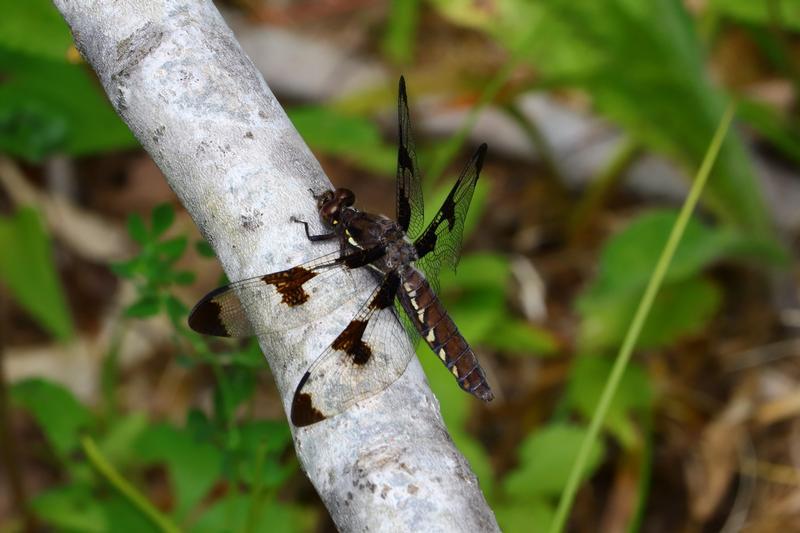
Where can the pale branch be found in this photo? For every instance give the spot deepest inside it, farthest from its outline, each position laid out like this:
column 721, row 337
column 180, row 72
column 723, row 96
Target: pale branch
column 177, row 76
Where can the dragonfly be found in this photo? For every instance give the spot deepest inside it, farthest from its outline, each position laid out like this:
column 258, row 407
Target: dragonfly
column 404, row 257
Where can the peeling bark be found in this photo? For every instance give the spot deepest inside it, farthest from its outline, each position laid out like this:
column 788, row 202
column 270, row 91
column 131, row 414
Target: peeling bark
column 177, row 76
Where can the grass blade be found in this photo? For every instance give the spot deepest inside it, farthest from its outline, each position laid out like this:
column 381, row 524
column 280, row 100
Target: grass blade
column 624, row 355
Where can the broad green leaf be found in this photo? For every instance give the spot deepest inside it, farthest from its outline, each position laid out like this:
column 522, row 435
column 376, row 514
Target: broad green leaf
column 161, row 219
column 787, row 12
column 684, row 303
column 123, row 517
column 629, row 257
column 478, row 270
column 56, row 410
column 634, row 395
column 681, row 308
column 71, row 508
column 348, row 136
column 477, row 312
column 56, row 106
column 520, row 337
column 28, row 270
column 530, row 515
column 35, row 27
column 546, row 457
column 193, row 465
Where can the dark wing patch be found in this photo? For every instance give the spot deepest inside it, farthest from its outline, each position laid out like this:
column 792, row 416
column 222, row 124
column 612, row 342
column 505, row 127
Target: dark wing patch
column 440, row 243
column 286, row 299
column 350, row 341
column 289, row 283
column 410, row 209
column 368, row 356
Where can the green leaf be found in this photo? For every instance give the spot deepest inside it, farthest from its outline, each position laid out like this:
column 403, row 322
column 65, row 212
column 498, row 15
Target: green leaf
column 35, row 27
column 400, row 34
column 685, row 302
column 546, row 457
column 123, row 517
column 137, row 229
column 530, row 515
column 204, row 249
column 477, row 312
column 48, row 106
column 144, row 307
column 634, row 395
column 478, row 270
column 680, row 309
column 56, row 411
column 161, row 219
column 520, row 337
column 172, row 249
column 70, row 508
column 184, row 277
column 193, row 465
column 175, row 309
column 28, row 270
column 629, row 257
column 349, row 136
column 126, row 269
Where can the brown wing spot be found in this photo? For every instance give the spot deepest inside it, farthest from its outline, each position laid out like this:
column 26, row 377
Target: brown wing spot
column 290, row 284
column 349, row 341
column 206, row 317
column 303, row 411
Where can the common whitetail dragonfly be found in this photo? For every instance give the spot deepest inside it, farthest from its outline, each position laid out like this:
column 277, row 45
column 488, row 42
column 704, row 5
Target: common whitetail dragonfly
column 368, row 355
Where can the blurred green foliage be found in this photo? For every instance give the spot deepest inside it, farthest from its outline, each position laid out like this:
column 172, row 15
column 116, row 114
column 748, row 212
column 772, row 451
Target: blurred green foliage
column 28, row 270
column 644, row 67
column 246, row 456
column 49, row 104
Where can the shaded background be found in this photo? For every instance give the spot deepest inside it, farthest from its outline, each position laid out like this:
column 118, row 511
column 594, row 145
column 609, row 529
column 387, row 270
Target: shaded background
column 596, row 116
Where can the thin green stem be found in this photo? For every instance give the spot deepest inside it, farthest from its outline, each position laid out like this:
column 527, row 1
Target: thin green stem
column 628, row 344
column 136, row 498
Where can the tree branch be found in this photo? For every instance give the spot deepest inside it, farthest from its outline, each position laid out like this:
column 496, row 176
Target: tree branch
column 175, row 73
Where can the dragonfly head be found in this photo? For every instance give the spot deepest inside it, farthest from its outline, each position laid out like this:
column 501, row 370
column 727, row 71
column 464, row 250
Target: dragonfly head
column 331, row 204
